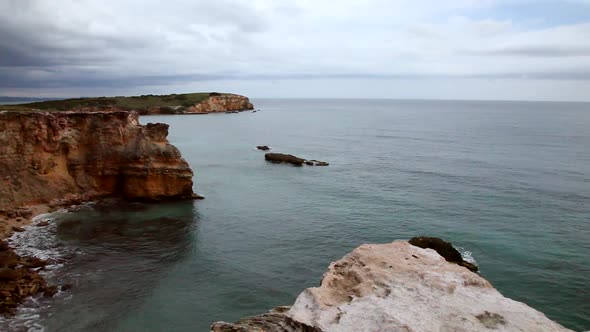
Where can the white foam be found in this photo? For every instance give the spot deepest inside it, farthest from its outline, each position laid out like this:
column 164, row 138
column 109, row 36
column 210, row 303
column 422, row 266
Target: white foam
column 467, row 255
column 39, row 242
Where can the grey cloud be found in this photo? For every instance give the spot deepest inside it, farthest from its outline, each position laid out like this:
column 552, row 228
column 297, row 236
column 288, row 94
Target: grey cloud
column 95, row 80
column 121, row 45
column 533, row 51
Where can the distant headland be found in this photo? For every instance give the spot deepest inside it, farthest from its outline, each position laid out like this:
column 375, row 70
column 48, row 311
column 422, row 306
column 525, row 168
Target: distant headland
column 188, row 103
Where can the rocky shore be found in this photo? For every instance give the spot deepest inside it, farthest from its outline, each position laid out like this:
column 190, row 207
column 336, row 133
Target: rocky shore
column 54, row 159
column 397, row 287
column 19, row 279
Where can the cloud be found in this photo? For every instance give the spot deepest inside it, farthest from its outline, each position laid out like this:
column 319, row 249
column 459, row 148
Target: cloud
column 136, row 44
column 536, row 51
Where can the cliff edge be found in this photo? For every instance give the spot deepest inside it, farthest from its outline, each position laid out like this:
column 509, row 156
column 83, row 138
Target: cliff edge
column 397, row 287
column 188, row 103
column 50, row 157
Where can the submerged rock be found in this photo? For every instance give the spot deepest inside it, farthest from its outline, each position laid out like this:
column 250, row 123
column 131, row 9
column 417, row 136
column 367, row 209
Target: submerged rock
column 443, row 248
column 314, row 162
column 398, row 287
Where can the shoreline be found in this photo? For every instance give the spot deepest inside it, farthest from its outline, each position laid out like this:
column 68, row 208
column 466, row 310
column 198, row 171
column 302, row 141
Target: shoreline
column 12, row 224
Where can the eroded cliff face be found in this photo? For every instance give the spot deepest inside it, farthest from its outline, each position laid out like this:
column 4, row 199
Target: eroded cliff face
column 222, row 103
column 397, row 287
column 61, row 156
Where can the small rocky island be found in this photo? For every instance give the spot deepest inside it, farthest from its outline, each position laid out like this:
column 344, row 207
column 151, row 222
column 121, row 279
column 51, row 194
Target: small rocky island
column 397, row 287
column 282, row 158
column 188, row 103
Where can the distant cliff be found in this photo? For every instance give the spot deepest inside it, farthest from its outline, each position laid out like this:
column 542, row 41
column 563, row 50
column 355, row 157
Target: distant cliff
column 397, row 287
column 60, row 156
column 190, row 103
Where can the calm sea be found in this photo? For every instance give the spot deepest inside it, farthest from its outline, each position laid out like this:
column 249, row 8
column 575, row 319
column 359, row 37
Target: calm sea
column 506, row 182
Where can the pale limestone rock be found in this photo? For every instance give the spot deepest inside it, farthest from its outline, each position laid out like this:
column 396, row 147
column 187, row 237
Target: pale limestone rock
column 399, row 287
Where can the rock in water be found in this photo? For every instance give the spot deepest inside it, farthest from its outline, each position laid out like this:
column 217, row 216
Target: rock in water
column 444, row 249
column 263, row 147
column 278, row 158
column 398, row 287
column 314, row 162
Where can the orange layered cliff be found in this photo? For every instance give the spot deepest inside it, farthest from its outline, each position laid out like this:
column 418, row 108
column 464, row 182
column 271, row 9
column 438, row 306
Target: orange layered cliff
column 59, row 156
column 222, row 103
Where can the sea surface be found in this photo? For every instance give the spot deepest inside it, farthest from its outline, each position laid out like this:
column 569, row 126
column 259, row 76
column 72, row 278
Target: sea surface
column 506, row 182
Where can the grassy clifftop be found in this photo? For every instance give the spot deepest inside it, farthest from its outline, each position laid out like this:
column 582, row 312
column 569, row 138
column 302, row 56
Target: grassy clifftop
column 143, row 102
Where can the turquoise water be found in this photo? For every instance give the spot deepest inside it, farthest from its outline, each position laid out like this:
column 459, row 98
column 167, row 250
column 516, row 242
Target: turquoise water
column 508, row 182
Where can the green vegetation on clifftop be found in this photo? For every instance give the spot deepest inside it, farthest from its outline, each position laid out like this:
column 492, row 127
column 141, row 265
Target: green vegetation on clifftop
column 139, row 103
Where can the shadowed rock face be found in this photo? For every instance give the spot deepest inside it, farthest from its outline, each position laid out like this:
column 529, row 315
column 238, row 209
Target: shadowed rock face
column 443, row 248
column 61, row 156
column 398, row 287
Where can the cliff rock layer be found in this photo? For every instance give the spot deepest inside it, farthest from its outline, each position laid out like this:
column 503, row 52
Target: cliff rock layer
column 221, row 103
column 398, row 287
column 46, row 157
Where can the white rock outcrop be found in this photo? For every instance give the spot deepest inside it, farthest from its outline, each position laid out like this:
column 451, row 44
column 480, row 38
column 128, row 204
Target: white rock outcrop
column 399, row 287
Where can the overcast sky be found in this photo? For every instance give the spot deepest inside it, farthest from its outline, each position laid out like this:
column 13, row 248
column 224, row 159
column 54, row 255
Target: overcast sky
column 456, row 49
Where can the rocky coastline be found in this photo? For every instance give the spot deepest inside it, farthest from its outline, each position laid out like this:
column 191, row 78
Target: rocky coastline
column 397, row 287
column 190, row 103
column 55, row 159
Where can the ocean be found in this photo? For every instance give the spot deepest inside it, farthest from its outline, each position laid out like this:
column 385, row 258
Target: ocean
column 508, row 183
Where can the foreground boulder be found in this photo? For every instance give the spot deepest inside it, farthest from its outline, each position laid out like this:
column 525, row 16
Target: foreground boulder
column 398, row 287
column 279, row 158
column 78, row 156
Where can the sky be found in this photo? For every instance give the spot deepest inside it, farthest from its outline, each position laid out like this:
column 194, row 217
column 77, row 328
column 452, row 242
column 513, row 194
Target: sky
column 406, row 49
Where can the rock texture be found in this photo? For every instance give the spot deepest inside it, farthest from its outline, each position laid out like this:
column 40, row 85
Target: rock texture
column 221, row 103
column 19, row 279
column 398, row 287
column 75, row 156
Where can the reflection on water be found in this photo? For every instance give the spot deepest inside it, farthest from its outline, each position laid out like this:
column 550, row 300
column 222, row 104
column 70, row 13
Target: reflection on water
column 116, row 254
